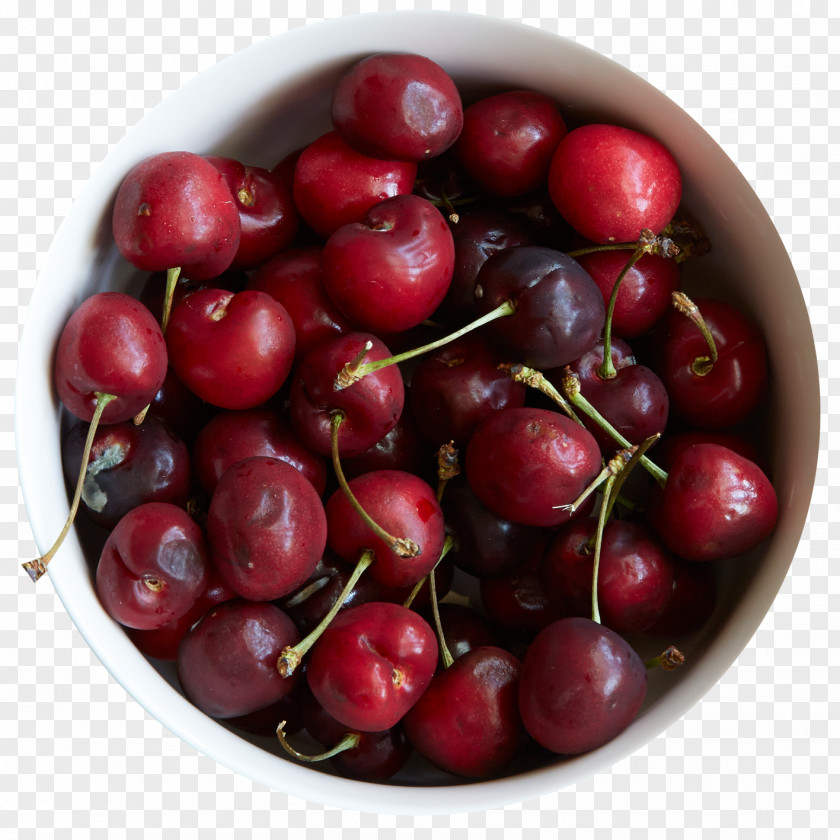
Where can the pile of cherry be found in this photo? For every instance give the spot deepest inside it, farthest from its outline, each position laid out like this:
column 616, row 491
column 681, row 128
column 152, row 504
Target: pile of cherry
column 286, row 501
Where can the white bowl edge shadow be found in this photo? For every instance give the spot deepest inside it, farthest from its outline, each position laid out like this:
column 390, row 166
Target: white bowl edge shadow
column 292, row 72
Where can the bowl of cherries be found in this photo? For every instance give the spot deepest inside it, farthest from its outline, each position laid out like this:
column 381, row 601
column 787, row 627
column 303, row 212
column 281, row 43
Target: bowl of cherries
column 417, row 413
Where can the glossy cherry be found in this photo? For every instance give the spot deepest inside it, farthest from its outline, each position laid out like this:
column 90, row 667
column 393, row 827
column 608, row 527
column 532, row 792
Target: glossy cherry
column 372, row 664
column 692, row 602
column 153, row 567
column 232, row 350
column 227, row 662
column 397, row 106
column 175, row 210
column 581, row 685
column 611, row 182
column 266, row 528
column 467, row 721
column 390, row 270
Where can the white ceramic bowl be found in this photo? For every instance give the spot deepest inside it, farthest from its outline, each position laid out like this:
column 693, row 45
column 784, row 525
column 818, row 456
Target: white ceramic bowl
column 272, row 98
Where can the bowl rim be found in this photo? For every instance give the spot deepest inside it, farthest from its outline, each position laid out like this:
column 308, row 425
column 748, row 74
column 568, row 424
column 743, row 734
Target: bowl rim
column 168, row 706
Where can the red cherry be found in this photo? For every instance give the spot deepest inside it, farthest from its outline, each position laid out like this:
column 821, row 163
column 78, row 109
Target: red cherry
column 464, row 629
column 508, row 141
column 266, row 528
column 372, row 665
column 179, row 408
column 234, row 351
column 467, row 721
column 610, row 183
column 397, row 106
column 674, row 444
column 715, row 504
column 692, row 602
column 153, row 566
column 391, row 270
column 335, row 185
column 175, row 210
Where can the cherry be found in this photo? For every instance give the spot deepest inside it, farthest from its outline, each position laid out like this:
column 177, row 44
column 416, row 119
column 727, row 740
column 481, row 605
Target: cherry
column 525, row 463
column 155, row 289
column 457, row 386
column 390, row 270
column 163, row 642
column 334, row 185
column 692, row 602
column 712, row 389
column 581, row 685
column 397, row 106
column 674, row 444
column 635, row 575
column 289, row 709
column 508, row 141
column 559, row 310
column 715, row 504
column 467, row 721
column 372, row 664
column 232, row 350
column 371, row 407
column 129, row 465
column 464, row 629
column 179, row 408
column 537, row 212
column 404, row 506
column 644, row 297
column 266, row 528
column 267, row 213
column 227, row 661
column 611, row 182
column 175, row 210
column 153, row 566
column 293, row 278
column 233, row 436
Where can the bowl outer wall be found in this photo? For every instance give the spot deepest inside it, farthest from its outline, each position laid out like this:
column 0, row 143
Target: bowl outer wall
column 233, row 108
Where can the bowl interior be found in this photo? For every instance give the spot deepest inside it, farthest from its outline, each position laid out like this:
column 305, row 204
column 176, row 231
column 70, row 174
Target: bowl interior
column 271, row 99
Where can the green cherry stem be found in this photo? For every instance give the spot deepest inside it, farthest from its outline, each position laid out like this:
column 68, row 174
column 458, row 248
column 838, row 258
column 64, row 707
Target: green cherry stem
column 445, row 655
column 599, row 535
column 348, row 742
column 633, row 457
column 607, row 369
column 536, row 380
column 172, row 276
column 37, row 568
column 448, row 543
column 353, row 372
column 702, row 365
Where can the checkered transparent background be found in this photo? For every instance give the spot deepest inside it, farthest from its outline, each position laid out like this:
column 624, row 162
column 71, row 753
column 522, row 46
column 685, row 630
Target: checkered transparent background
column 758, row 757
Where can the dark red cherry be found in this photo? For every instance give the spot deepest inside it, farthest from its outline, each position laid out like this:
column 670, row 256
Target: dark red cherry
column 266, row 528
column 692, row 602
column 179, row 408
column 464, row 628
column 233, row 436
column 263, row 722
column 153, row 567
column 267, row 213
column 559, row 310
column 715, row 504
column 457, row 386
column 372, row 406
column 153, row 293
column 335, row 185
column 644, row 297
column 232, row 350
column 390, row 271
column 372, row 664
column 508, row 141
column 129, row 465
column 610, row 182
column 111, row 344
column 175, row 210
column 293, row 278
column 673, row 445
column 524, row 463
column 537, row 212
column 397, row 106
column 227, row 663
column 737, row 381
column 635, row 574
column 467, row 721
column 406, row 507
column 581, row 685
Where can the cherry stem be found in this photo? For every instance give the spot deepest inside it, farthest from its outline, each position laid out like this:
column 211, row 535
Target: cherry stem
column 669, row 660
column 599, row 535
column 596, row 249
column 571, row 387
column 633, row 456
column 348, row 374
column 36, row 568
column 448, row 543
column 141, row 415
column 291, row 656
column 401, row 546
column 448, row 467
column 172, row 275
column 607, row 369
column 536, row 380
column 615, row 466
column 702, row 365
column 348, row 742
